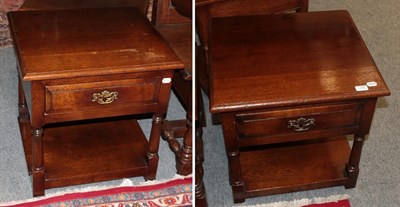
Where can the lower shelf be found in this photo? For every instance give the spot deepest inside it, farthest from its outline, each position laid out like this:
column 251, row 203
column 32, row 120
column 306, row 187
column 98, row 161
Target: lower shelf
column 296, row 166
column 90, row 151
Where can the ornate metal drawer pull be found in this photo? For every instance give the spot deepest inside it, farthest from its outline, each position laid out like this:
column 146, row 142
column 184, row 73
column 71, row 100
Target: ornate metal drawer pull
column 105, row 97
column 301, row 124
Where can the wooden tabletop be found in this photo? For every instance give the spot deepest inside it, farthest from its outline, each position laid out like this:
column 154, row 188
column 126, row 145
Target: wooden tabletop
column 83, row 42
column 289, row 59
column 179, row 37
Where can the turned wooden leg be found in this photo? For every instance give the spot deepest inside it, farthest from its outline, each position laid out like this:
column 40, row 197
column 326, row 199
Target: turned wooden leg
column 37, row 162
column 171, row 130
column 25, row 125
column 352, row 168
column 236, row 177
column 184, row 160
column 154, row 143
column 232, row 150
column 200, row 191
column 22, row 107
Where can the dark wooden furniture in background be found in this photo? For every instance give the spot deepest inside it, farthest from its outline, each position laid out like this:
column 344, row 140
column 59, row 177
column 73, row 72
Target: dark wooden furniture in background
column 285, row 89
column 200, row 191
column 81, row 78
column 208, row 9
column 142, row 5
column 177, row 31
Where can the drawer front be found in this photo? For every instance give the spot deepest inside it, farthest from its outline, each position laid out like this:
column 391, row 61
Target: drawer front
column 328, row 119
column 101, row 95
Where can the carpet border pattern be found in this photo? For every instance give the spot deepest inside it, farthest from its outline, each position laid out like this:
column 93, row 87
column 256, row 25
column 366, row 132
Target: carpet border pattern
column 177, row 192
column 5, row 40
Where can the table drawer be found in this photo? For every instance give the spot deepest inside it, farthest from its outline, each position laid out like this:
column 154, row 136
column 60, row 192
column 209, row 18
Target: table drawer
column 299, row 123
column 105, row 95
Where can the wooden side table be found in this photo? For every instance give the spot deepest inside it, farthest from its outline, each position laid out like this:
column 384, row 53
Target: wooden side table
column 177, row 31
column 288, row 88
column 82, row 73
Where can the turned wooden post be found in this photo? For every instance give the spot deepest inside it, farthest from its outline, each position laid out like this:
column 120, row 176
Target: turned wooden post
column 22, row 107
column 352, row 168
column 37, row 123
column 184, row 160
column 154, row 143
column 233, row 153
column 200, row 191
column 37, row 162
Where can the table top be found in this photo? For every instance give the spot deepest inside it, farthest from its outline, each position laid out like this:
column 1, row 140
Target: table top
column 87, row 42
column 289, row 59
column 179, row 37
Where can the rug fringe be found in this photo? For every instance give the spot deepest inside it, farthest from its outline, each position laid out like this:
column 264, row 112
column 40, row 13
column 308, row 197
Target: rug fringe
column 125, row 183
column 302, row 202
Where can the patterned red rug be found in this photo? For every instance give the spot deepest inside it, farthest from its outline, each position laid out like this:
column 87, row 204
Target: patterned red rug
column 5, row 40
column 6, row 6
column 341, row 203
column 177, row 192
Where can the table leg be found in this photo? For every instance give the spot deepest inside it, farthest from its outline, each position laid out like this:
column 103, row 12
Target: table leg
column 232, row 150
column 171, row 130
column 154, row 143
column 24, row 123
column 169, row 134
column 184, row 160
column 37, row 162
column 22, row 107
column 199, row 185
column 352, row 167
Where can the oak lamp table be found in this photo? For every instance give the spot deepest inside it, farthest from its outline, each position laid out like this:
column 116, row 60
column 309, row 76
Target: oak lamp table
column 82, row 74
column 289, row 87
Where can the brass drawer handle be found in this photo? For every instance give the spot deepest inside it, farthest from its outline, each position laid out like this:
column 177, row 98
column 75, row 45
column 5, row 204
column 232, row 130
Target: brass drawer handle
column 301, row 124
column 105, row 97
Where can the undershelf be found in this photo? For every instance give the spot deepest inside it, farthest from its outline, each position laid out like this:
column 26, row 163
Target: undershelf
column 90, row 151
column 283, row 168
